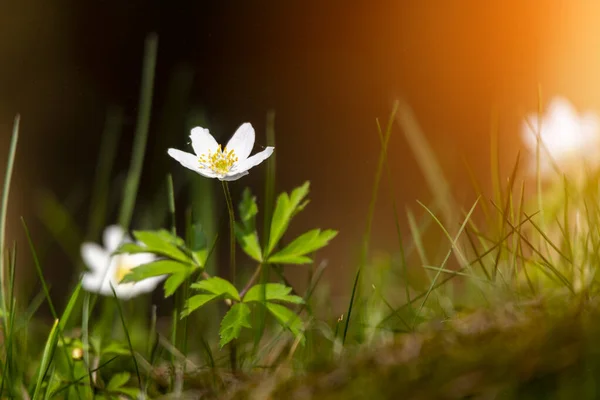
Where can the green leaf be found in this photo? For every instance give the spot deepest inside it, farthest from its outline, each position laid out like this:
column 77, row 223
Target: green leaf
column 248, row 242
column 286, row 318
column 286, row 208
column 163, row 243
column 272, row 292
column 155, row 268
column 118, row 380
column 233, row 322
column 173, row 282
column 197, row 301
column 218, row 286
column 245, row 230
column 295, row 252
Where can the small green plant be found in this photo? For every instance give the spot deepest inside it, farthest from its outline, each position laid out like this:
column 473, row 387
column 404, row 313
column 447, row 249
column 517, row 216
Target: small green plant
column 175, row 260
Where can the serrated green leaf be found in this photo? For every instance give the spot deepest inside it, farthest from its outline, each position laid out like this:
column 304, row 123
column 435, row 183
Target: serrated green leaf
column 233, row 322
column 163, row 243
column 197, row 301
column 272, row 292
column 218, row 286
column 155, row 268
column 286, row 318
column 248, row 242
column 118, row 380
column 173, row 282
column 287, row 206
column 296, row 251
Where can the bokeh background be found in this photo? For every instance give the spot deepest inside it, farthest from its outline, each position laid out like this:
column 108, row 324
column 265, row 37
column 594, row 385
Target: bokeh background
column 327, row 69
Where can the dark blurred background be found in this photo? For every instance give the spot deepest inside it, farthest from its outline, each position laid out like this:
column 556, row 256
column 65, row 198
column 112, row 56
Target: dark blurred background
column 328, row 69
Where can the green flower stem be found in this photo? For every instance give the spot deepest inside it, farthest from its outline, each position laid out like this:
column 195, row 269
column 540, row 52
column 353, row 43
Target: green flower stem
column 253, row 279
column 231, row 231
column 233, row 346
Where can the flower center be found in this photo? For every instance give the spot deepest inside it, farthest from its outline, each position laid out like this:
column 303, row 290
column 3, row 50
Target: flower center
column 220, row 162
column 121, row 270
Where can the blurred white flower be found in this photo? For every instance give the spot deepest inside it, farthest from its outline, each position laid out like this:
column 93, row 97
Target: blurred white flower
column 227, row 164
column 568, row 139
column 107, row 269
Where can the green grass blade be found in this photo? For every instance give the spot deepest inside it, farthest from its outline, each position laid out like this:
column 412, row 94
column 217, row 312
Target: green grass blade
column 46, row 291
column 454, row 241
column 70, row 307
column 403, row 261
column 58, row 219
column 371, row 213
column 171, row 199
column 4, row 210
column 269, row 200
column 39, row 271
column 108, row 150
column 432, row 171
column 141, row 133
column 495, row 162
column 46, row 359
column 135, row 363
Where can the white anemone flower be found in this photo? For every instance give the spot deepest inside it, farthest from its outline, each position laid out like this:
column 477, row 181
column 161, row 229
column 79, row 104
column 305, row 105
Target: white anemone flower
column 568, row 140
column 107, row 269
column 228, row 164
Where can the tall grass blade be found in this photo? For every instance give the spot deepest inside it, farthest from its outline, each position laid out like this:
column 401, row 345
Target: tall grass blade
column 46, row 291
column 46, row 359
column 4, row 210
column 434, row 175
column 108, row 150
column 367, row 235
column 141, row 133
column 171, row 199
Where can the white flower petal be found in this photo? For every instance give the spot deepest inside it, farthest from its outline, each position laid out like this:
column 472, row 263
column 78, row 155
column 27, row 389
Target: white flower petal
column 188, row 160
column 113, row 236
column 233, row 177
column 94, row 256
column 242, row 141
column 191, row 161
column 138, row 259
column 123, row 291
column 207, row 173
column 253, row 161
column 146, row 285
column 93, row 282
column 202, row 141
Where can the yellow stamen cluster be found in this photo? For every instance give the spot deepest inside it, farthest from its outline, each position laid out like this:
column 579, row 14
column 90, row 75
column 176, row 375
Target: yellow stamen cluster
column 220, row 162
column 121, row 270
